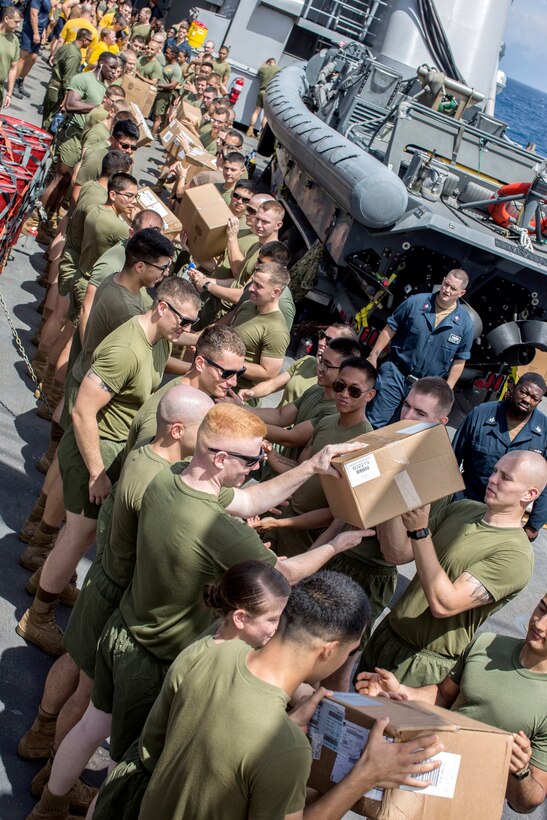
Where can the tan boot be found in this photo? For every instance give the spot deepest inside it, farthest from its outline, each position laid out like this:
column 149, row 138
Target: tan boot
column 39, row 364
column 46, row 460
column 54, row 396
column 39, row 547
column 31, row 523
column 41, row 629
column 81, row 795
column 37, row 742
column 68, row 596
column 40, row 780
column 51, row 807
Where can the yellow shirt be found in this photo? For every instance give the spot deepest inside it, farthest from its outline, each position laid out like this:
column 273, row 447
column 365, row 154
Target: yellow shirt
column 93, row 54
column 107, row 20
column 70, row 30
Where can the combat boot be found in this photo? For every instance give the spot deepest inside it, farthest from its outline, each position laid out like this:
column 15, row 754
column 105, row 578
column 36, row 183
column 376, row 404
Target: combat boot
column 46, row 460
column 37, row 742
column 81, row 795
column 39, row 547
column 31, row 523
column 51, row 807
column 53, row 397
column 41, row 629
column 39, row 364
column 68, row 596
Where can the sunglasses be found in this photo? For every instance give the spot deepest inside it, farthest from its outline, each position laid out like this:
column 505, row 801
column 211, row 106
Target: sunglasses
column 225, row 373
column 354, row 392
column 127, row 146
column 237, row 196
column 184, row 320
column 163, row 268
column 251, row 210
column 323, row 335
column 249, row 460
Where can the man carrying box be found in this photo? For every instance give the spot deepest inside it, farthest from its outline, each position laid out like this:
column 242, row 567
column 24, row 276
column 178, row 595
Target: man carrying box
column 471, row 559
column 516, row 670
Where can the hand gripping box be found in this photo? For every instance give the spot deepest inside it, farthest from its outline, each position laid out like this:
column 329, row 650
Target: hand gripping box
column 189, row 113
column 204, row 216
column 147, row 199
column 469, row 785
column 402, row 466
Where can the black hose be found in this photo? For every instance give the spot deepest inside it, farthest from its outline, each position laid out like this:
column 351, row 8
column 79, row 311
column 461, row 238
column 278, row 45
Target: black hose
column 437, row 41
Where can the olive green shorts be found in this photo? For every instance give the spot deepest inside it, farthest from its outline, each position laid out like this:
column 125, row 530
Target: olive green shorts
column 122, row 792
column 78, row 291
column 69, row 146
column 76, row 477
column 260, row 99
column 377, row 582
column 71, row 391
column 128, row 680
column 98, row 599
column 68, row 267
column 415, row 667
column 161, row 104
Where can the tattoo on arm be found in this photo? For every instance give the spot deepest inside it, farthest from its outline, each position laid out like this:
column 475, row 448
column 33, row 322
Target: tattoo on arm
column 98, row 381
column 479, row 594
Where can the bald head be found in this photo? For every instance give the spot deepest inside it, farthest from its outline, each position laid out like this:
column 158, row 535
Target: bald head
column 180, row 413
column 517, row 480
column 147, row 219
column 530, row 467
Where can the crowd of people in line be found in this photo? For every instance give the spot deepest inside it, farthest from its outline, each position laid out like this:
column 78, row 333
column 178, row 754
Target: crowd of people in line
column 218, row 611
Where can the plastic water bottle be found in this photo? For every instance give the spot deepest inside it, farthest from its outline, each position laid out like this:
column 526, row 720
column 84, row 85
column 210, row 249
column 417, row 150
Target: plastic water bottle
column 186, row 270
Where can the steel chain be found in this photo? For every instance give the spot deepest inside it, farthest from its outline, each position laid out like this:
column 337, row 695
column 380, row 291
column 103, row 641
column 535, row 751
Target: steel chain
column 39, row 393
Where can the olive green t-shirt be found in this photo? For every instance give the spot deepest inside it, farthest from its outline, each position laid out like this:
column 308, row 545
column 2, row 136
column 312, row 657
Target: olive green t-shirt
column 102, row 229
column 139, row 468
column 303, row 374
column 286, row 305
column 311, row 406
column 265, row 74
column 172, row 72
column 92, row 165
column 66, row 64
column 98, row 136
column 249, row 263
column 223, row 70
column 141, row 30
column 94, row 117
column 113, row 306
column 90, row 90
column 150, row 69
column 501, row 559
column 144, row 424
column 185, row 539
column 91, row 195
column 225, row 193
column 264, row 335
column 9, row 54
column 491, row 664
column 132, row 369
column 110, row 262
column 240, row 731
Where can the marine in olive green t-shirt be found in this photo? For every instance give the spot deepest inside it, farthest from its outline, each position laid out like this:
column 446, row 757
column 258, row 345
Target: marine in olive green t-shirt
column 91, row 195
column 144, row 424
column 150, row 69
column 90, row 90
column 91, row 166
column 102, row 229
column 9, row 54
column 185, row 539
column 263, row 334
column 261, row 776
column 303, row 374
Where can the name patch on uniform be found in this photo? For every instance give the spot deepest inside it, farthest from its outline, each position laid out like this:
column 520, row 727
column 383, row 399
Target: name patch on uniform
column 453, row 339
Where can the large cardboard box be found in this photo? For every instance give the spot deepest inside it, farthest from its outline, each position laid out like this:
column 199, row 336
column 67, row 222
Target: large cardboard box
column 190, row 113
column 147, row 199
column 139, row 92
column 204, row 216
column 145, row 134
column 470, row 785
column 194, row 156
column 402, row 466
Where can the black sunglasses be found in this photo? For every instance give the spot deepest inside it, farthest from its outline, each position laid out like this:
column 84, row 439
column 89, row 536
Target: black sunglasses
column 127, row 146
column 249, row 460
column 323, row 335
column 354, row 392
column 251, row 210
column 184, row 320
column 235, row 195
column 224, row 372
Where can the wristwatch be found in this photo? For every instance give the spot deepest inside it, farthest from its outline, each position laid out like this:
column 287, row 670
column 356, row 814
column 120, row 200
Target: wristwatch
column 417, row 535
column 205, row 287
column 521, row 775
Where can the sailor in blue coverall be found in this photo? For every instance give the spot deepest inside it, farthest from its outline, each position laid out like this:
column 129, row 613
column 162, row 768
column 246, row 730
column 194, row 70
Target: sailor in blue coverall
column 498, row 427
column 430, row 335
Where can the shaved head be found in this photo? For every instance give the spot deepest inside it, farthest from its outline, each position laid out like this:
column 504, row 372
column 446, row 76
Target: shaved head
column 531, row 467
column 180, row 413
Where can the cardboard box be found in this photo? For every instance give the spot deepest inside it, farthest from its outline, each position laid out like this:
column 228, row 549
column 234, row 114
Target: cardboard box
column 204, row 216
column 190, row 113
column 145, row 134
column 470, row 785
column 147, row 199
column 174, row 137
column 402, row 466
column 139, row 92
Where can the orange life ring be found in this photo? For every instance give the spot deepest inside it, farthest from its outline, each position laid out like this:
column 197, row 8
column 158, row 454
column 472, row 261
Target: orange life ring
column 505, row 213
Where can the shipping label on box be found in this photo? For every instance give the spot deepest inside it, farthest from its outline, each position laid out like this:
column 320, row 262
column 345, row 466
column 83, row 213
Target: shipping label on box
column 339, row 731
column 401, row 467
column 148, row 200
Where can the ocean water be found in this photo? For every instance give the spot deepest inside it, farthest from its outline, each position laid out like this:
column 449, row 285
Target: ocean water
column 524, row 109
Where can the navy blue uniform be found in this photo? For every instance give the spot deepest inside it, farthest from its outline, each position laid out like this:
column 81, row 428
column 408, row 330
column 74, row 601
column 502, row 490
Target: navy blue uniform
column 418, row 349
column 482, row 439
